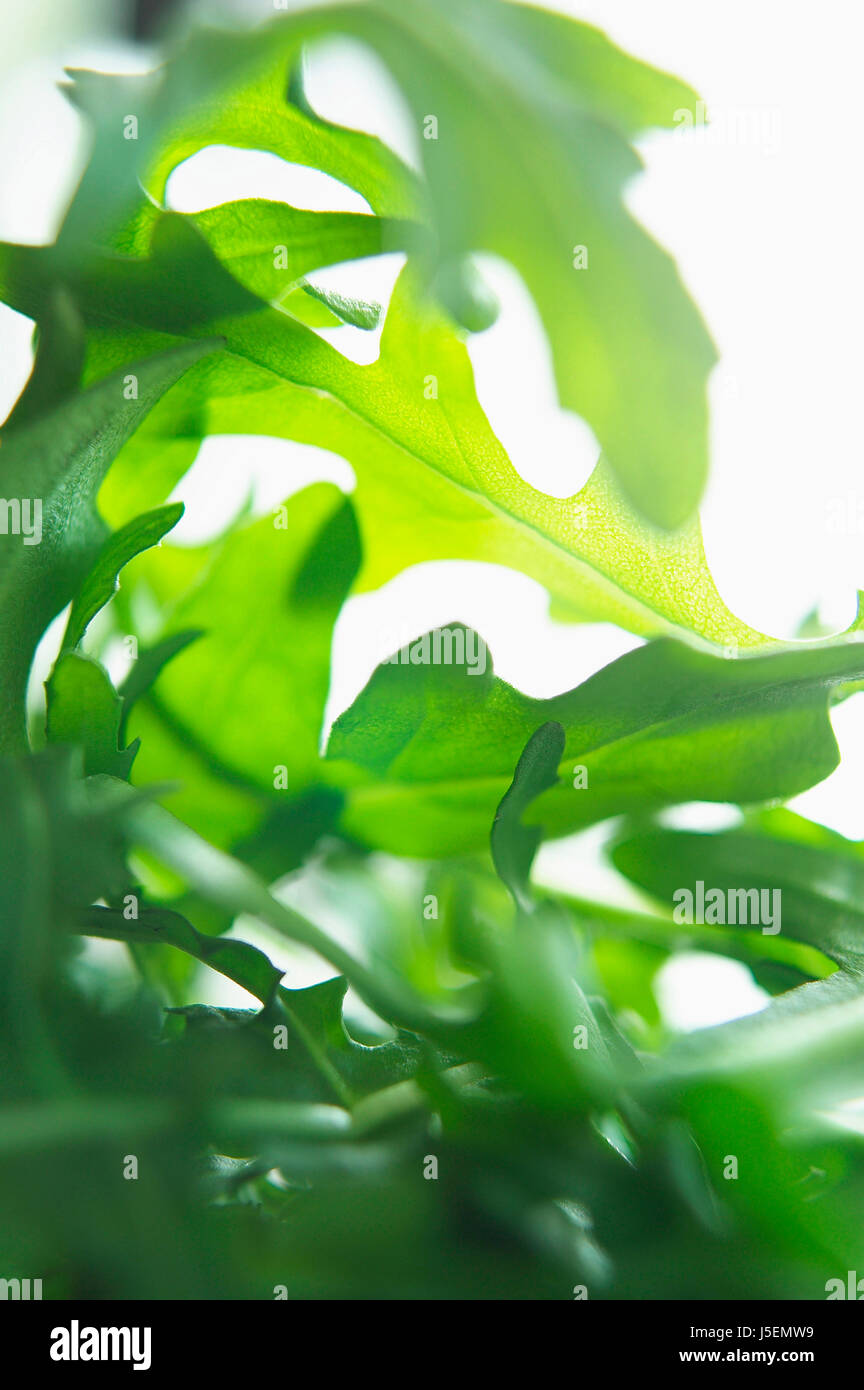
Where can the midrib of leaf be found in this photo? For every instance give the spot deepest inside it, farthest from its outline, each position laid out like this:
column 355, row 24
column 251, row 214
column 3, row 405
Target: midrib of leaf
column 340, row 1088
column 493, row 493
column 497, row 508
column 484, row 498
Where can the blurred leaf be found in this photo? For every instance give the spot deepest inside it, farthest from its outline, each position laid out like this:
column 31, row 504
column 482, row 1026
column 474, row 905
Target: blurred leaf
column 234, row 887
column 147, row 666
column 560, row 86
column 820, row 883
column 265, row 605
column 502, row 82
column 58, row 362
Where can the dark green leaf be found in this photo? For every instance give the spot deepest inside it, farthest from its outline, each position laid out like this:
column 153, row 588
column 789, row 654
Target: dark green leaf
column 514, row 845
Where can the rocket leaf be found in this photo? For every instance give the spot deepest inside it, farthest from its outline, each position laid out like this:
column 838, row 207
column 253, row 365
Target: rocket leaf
column 425, row 752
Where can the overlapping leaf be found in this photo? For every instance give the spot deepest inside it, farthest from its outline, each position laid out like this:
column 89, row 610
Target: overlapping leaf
column 819, row 875
column 58, row 463
column 597, row 560
column 264, row 601
column 426, row 750
column 433, row 481
column 500, row 81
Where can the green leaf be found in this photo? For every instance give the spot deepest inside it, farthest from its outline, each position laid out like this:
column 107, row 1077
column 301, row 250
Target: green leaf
column 425, row 751
column 514, row 845
column 58, row 363
column 84, row 708
column 538, row 1029
column 240, row 962
column 265, row 604
column 261, row 603
column 611, row 926
column 171, row 273
column 818, row 875
column 147, row 666
column 599, row 561
column 315, row 1045
column 806, row 1043
column 472, row 502
column 461, row 287
column 59, row 462
column 232, row 88
column 58, row 848
column 173, row 284
column 433, row 482
column 101, row 583
column 219, row 87
column 232, row 886
column 269, row 247
column 804, row 1047
column 316, row 1019
column 356, row 312
column 502, row 83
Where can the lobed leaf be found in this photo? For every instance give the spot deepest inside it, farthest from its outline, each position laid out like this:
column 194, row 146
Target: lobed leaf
column 424, row 753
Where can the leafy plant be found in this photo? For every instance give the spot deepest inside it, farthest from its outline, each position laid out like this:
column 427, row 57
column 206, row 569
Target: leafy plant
column 480, row 1097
